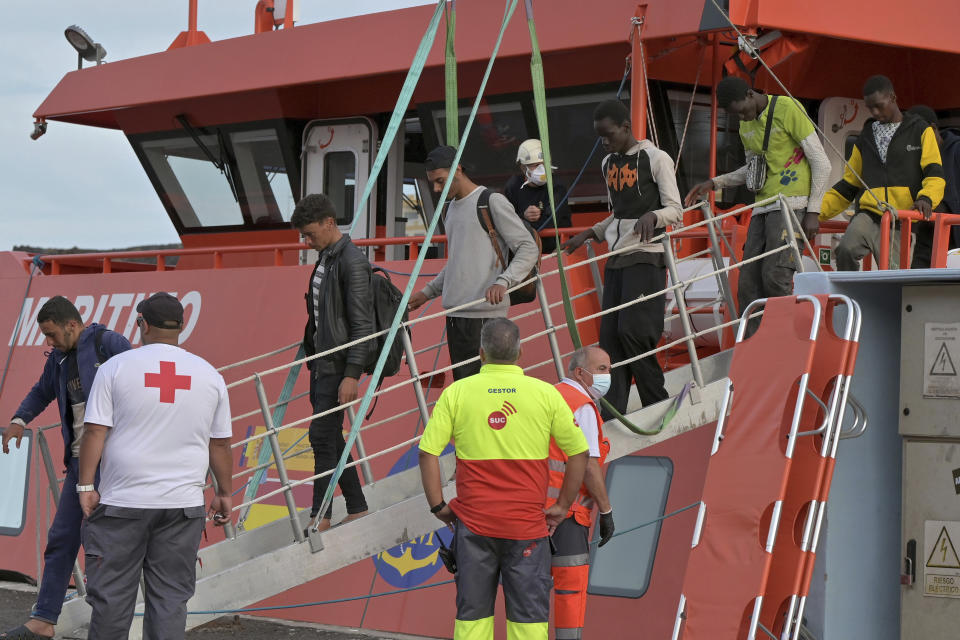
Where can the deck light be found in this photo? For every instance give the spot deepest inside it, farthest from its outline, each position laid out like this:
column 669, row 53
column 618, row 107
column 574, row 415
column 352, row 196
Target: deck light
column 86, row 48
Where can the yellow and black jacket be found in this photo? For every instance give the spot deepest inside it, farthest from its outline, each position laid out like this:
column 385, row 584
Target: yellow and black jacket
column 913, row 170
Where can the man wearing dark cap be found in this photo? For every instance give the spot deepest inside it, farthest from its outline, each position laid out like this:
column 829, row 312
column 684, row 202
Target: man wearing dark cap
column 474, row 270
column 76, row 352
column 167, row 416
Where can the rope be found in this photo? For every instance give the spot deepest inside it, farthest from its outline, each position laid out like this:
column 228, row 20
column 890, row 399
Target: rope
column 265, row 453
column 36, row 266
column 408, row 291
column 883, row 204
column 586, row 163
column 686, row 123
column 421, row 587
column 400, row 110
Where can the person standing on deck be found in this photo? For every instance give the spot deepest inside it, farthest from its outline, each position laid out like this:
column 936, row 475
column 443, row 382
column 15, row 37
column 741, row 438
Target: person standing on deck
column 68, row 375
column 897, row 157
column 644, row 199
column 339, row 308
column 159, row 418
column 949, row 143
column 501, row 423
column 588, row 379
column 796, row 167
column 473, row 270
column 527, row 192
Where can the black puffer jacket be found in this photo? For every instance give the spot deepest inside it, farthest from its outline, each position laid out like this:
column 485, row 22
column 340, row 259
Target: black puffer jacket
column 345, row 314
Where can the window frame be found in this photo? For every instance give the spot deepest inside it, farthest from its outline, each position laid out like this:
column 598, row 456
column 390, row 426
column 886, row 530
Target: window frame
column 289, row 132
column 620, row 592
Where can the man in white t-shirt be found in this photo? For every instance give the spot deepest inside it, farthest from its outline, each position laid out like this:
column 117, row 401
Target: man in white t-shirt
column 156, row 420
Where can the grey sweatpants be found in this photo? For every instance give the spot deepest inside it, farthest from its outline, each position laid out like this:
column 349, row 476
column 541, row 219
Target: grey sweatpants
column 862, row 237
column 118, row 543
column 773, row 275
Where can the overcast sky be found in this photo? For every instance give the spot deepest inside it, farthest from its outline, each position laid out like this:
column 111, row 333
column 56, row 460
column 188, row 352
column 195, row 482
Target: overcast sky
column 83, row 186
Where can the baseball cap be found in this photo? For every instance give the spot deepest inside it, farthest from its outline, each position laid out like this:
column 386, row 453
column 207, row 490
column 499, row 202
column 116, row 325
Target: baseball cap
column 440, row 158
column 162, row 310
column 530, row 152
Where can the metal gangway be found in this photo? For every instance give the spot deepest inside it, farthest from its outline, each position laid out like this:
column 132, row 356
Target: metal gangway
column 252, row 565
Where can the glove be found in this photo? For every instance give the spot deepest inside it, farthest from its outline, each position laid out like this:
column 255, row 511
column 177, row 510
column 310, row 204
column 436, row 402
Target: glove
column 606, row 528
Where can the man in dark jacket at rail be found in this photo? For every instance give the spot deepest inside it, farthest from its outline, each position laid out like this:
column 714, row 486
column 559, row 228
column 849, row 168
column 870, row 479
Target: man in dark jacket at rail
column 897, row 157
column 339, row 310
column 67, row 377
column 949, row 143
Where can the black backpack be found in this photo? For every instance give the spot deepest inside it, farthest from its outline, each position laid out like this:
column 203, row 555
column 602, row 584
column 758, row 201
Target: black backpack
column 386, row 301
column 528, row 292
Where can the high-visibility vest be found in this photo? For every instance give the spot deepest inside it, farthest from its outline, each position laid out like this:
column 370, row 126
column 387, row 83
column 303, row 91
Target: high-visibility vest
column 582, row 507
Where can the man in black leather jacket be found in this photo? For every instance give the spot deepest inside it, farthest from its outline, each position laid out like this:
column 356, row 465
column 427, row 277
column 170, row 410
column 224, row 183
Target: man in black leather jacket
column 339, row 301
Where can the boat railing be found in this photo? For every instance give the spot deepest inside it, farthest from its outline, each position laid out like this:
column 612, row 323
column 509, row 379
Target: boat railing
column 710, row 228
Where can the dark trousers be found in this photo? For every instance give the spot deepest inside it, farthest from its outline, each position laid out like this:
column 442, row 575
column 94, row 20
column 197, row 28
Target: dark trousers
column 772, row 276
column 923, row 248
column 633, row 330
column 63, row 543
column 463, row 343
column 326, row 439
column 118, row 543
column 523, row 566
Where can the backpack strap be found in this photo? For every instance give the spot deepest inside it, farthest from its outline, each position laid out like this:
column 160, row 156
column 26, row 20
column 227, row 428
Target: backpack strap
column 486, row 223
column 98, row 345
column 766, row 132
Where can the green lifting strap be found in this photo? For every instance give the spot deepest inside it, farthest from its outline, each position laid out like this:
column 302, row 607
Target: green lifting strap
column 400, row 110
column 450, row 77
column 540, row 104
column 266, row 453
column 411, row 283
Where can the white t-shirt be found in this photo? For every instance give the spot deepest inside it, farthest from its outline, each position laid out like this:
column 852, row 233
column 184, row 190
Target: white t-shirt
column 586, row 419
column 162, row 404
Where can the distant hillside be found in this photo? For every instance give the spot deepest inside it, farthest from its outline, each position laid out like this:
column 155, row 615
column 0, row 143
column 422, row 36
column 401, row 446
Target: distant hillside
column 54, row 251
column 48, row 251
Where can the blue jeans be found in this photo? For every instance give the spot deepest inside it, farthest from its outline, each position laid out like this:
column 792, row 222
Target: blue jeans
column 63, row 543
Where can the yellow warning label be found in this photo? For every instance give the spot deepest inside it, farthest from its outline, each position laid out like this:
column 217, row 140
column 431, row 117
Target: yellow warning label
column 944, row 554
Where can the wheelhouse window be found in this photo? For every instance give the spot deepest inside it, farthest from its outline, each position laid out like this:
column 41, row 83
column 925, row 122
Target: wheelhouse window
column 263, row 173
column 196, row 190
column 226, row 177
column 340, row 183
column 502, row 123
column 625, row 566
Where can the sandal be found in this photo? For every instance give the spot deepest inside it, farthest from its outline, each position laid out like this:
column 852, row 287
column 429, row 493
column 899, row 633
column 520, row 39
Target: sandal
column 22, row 633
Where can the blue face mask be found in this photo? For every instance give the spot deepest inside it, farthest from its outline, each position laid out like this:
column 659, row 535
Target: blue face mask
column 601, row 384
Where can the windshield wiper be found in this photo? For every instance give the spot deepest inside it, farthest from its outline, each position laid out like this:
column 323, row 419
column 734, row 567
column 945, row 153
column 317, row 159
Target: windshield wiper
column 222, row 165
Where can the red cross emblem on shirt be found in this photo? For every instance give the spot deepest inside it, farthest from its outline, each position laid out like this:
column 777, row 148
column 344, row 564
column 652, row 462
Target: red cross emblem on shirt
column 167, row 381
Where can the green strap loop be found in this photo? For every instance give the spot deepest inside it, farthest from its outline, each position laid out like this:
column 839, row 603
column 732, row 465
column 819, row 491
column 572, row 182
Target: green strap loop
column 400, row 110
column 411, row 283
column 279, row 412
column 540, row 104
column 450, row 78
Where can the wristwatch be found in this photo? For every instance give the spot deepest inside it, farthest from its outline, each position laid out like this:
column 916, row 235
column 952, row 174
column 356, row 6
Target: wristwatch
column 439, row 507
column 85, row 488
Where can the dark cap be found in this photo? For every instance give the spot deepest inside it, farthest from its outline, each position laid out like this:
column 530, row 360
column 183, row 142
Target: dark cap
column 440, row 158
column 162, row 310
column 925, row 113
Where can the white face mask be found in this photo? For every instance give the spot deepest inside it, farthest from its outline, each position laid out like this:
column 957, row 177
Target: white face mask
column 600, row 386
column 538, row 176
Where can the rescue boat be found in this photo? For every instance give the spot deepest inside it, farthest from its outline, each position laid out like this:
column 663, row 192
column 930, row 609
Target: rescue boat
column 755, row 502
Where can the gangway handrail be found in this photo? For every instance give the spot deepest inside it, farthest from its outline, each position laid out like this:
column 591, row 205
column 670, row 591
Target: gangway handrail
column 586, row 262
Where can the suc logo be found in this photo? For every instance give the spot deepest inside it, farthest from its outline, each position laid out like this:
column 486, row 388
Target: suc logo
column 498, row 419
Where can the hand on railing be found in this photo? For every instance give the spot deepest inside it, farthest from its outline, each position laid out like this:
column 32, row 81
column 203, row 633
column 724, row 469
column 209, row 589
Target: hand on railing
column 14, row 430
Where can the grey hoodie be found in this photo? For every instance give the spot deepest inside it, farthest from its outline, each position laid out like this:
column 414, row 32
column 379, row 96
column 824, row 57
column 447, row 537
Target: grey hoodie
column 472, row 265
